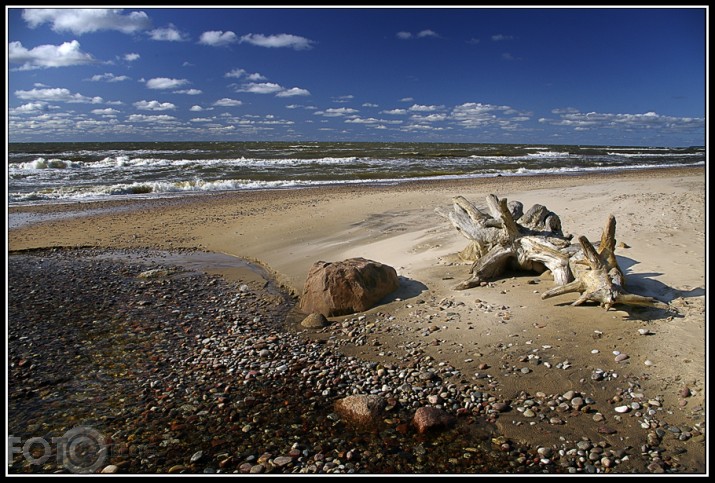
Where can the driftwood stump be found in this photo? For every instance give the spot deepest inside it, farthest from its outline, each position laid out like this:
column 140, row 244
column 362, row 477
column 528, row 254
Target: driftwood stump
column 534, row 241
column 600, row 279
column 506, row 236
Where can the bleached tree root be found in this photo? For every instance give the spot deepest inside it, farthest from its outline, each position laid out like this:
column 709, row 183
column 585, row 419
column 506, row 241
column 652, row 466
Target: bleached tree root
column 505, row 236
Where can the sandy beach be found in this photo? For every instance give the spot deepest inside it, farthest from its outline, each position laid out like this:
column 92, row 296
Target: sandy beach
column 497, row 329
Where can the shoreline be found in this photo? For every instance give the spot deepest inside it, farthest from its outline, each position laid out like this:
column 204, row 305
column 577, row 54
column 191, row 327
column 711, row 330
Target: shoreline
column 501, row 326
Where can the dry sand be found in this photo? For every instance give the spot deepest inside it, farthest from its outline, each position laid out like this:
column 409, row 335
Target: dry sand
column 660, row 214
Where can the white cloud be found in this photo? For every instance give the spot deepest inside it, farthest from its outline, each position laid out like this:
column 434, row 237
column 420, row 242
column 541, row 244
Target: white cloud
column 429, row 118
column 648, row 121
column 427, row 33
column 84, row 20
column 108, row 77
column 293, row 91
column 30, row 108
column 371, row 120
column 189, row 92
column 201, row 119
column 343, row 99
column 369, row 104
column 226, row 102
column 154, row 106
column 475, row 114
column 196, row 109
column 131, row 57
column 336, row 112
column 160, row 118
column 218, row 38
column 501, row 37
column 395, row 112
column 44, row 56
column 261, row 88
column 56, row 94
column 237, row 73
column 424, row 108
column 165, row 83
column 282, row 40
column 407, row 99
column 419, row 35
column 105, row 112
column 168, row 34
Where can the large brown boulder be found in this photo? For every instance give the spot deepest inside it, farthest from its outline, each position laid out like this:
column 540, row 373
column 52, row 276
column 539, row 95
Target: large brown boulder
column 347, row 287
column 361, row 409
column 428, row 417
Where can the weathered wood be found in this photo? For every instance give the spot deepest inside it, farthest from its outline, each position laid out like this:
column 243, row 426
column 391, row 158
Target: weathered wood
column 505, row 236
column 489, row 266
column 603, row 282
column 498, row 238
column 535, row 249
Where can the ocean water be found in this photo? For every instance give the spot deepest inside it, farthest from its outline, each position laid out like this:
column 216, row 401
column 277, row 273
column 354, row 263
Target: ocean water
column 67, row 172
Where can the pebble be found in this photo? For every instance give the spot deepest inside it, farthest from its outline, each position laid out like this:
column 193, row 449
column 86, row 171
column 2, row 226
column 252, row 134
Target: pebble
column 221, row 361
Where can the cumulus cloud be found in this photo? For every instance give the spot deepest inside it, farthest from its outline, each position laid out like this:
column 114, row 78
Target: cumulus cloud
column 196, row 109
column 341, row 99
column 429, row 117
column 281, row 40
column 159, row 118
column 427, row 33
column 336, row 112
column 424, row 108
column 154, row 106
column 131, row 57
column 189, row 92
column 293, row 91
column 165, row 83
column 501, row 37
column 85, row 20
column 30, row 108
column 419, row 35
column 395, row 112
column 44, row 56
column 255, row 77
column 57, row 94
column 168, row 34
column 475, row 114
column 226, row 102
column 108, row 77
column 105, row 112
column 371, row 120
column 238, row 73
column 260, row 88
column 218, row 38
column 649, row 120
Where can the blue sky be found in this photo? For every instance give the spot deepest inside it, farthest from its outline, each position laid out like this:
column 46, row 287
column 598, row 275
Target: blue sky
column 618, row 76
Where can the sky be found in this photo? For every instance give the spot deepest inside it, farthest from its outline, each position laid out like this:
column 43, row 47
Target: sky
column 598, row 76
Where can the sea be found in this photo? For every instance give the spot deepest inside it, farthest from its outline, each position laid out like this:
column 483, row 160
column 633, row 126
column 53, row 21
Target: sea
column 42, row 173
